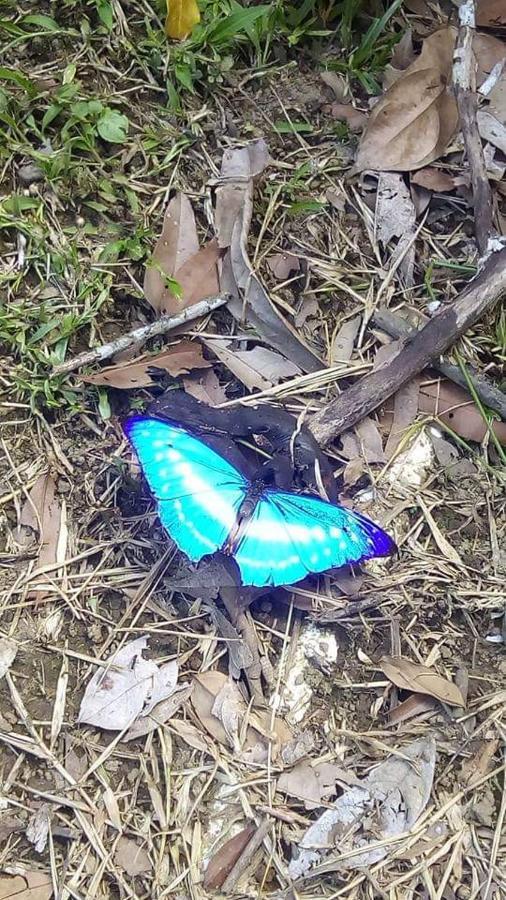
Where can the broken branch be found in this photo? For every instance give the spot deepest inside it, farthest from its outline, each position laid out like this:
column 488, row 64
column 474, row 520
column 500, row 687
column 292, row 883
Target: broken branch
column 140, row 335
column 419, row 350
column 397, row 327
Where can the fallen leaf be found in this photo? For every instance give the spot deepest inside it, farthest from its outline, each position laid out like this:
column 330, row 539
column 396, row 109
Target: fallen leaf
column 31, row 885
column 250, row 302
column 436, row 179
column 222, row 862
column 497, row 99
column 369, row 441
column 344, row 341
column 345, row 112
column 337, row 83
column 8, row 650
column 224, row 720
column 312, row 783
column 197, row 278
column 180, row 359
column 126, row 688
column 282, row 265
column 410, row 676
column 491, row 129
column 482, row 762
column 182, row 16
column 452, row 405
column 443, row 545
column 395, row 217
column 415, row 120
column 259, row 368
column 177, row 243
column 44, row 513
column 383, row 805
column 491, row 14
column 132, row 857
column 403, row 53
column 414, row 705
column 488, row 52
column 191, row 735
column 205, row 386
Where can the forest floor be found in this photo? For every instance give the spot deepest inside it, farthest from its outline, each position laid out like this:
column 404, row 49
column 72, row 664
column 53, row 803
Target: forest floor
column 384, row 689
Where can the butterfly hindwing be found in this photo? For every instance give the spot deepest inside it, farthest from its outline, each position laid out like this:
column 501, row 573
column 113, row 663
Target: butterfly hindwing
column 292, row 535
column 198, row 491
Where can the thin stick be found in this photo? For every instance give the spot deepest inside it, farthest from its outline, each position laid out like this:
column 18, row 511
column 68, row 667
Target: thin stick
column 425, row 346
column 139, row 335
column 464, row 79
column 397, row 327
column 246, row 856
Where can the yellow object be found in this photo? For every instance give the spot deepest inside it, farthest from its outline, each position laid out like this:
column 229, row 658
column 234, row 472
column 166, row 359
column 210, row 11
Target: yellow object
column 182, row 16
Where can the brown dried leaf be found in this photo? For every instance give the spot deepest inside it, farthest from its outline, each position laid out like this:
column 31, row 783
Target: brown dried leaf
column 453, row 406
column 42, row 512
column 257, row 368
column 312, row 783
column 191, row 735
column 491, row 14
column 197, row 278
column 177, row 243
column 131, row 857
column 221, row 864
column 337, row 83
column 370, row 442
column 250, row 301
column 345, row 112
column 491, row 129
column 410, row 676
column 282, row 265
column 417, row 117
column 412, row 706
column 31, row 885
column 488, row 52
column 177, row 360
column 436, row 179
column 205, row 386
column 403, row 53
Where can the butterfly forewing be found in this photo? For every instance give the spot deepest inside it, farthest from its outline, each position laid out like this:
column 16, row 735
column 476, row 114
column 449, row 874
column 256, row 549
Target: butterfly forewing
column 292, row 535
column 198, row 492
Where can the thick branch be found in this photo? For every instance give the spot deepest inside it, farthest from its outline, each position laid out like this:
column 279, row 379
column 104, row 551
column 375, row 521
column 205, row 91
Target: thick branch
column 419, row 351
column 489, row 394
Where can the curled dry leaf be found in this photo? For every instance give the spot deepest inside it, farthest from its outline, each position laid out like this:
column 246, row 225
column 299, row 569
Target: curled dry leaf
column 383, row 805
column 177, row 360
column 344, row 340
column 221, row 709
column 259, row 368
column 132, row 857
column 415, row 120
column 222, row 862
column 205, row 386
column 250, row 302
column 129, row 686
column 44, row 513
column 410, row 676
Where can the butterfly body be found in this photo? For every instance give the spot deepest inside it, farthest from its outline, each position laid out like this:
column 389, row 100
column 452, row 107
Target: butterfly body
column 207, row 505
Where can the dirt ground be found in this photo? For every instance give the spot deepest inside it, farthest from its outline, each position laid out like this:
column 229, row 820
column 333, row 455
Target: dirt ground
column 84, row 814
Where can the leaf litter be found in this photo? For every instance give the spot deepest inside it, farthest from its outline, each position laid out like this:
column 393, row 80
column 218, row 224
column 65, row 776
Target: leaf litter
column 179, row 797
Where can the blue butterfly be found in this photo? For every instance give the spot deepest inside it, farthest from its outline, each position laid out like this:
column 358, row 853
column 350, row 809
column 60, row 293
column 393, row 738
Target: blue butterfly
column 275, row 537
